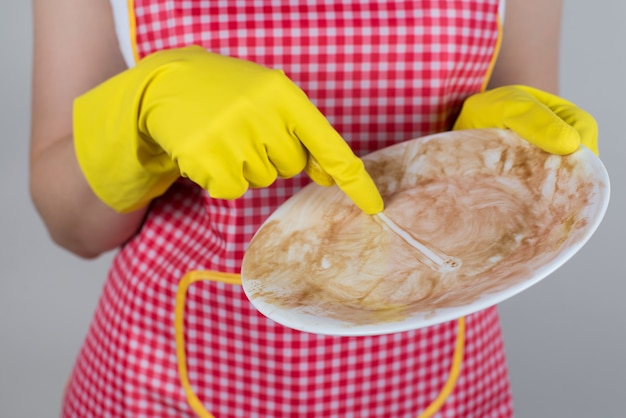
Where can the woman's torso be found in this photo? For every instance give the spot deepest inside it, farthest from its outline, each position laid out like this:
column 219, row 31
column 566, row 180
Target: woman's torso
column 382, row 72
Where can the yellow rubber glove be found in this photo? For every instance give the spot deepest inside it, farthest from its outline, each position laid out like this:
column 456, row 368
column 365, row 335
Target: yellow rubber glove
column 225, row 123
column 553, row 124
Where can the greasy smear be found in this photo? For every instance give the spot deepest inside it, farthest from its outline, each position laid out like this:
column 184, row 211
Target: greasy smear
column 488, row 198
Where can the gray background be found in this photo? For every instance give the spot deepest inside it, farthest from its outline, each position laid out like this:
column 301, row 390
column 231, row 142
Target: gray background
column 565, row 337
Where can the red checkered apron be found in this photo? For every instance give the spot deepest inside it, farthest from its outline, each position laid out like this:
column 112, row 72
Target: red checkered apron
column 173, row 334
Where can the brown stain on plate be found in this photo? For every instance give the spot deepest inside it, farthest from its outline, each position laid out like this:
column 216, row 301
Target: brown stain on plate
column 488, row 198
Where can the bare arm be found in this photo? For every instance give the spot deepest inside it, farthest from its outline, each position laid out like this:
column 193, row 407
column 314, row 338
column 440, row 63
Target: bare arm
column 75, row 49
column 530, row 45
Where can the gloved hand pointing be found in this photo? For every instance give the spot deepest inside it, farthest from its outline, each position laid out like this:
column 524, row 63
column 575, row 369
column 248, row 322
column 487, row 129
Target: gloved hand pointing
column 225, row 123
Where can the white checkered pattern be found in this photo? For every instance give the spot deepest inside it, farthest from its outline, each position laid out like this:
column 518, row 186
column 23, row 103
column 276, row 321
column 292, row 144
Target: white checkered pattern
column 382, row 72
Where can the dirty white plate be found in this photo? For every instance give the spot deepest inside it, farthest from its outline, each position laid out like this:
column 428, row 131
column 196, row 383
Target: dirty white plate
column 507, row 212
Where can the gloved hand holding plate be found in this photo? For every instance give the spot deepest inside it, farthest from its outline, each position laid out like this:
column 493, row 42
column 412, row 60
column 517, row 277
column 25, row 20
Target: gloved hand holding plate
column 507, row 213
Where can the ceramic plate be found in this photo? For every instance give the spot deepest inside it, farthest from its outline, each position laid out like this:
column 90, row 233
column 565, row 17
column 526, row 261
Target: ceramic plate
column 484, row 215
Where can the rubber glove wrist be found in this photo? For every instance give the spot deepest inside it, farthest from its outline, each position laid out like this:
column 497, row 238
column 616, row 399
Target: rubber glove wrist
column 550, row 122
column 225, row 123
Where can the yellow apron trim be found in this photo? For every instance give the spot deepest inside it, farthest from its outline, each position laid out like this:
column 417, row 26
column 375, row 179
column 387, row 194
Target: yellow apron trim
column 132, row 24
column 494, row 57
column 234, row 279
column 453, row 376
column 179, row 330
